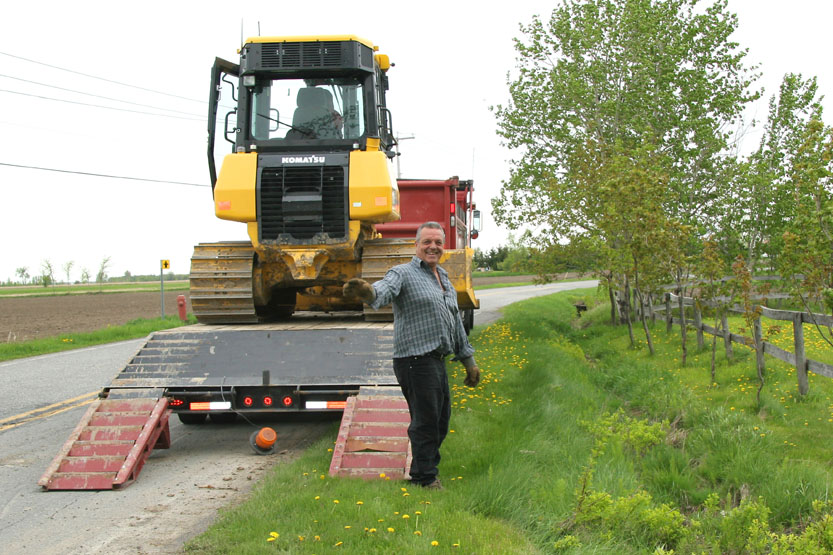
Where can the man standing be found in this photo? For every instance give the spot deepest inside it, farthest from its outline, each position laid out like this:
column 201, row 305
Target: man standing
column 427, row 327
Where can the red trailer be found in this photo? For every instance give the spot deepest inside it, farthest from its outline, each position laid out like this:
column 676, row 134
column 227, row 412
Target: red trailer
column 448, row 202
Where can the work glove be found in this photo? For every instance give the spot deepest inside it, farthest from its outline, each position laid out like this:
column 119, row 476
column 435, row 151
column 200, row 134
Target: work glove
column 472, row 376
column 360, row 289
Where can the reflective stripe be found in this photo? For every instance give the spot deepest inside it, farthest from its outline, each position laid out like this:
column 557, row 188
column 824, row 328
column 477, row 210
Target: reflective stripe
column 210, row 405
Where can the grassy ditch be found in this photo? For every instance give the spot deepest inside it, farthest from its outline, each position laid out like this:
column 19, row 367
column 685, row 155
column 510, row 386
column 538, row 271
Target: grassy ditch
column 574, row 443
column 131, row 330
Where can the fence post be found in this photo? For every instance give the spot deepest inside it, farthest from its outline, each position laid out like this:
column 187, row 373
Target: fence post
column 800, row 358
column 698, row 323
column 668, row 313
column 759, row 346
column 727, row 337
column 651, row 308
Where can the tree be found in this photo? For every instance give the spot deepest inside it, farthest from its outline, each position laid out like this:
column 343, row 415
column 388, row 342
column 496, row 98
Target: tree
column 67, row 269
column 85, row 275
column 101, row 276
column 22, row 273
column 762, row 205
column 48, row 273
column 806, row 264
column 714, row 289
column 614, row 76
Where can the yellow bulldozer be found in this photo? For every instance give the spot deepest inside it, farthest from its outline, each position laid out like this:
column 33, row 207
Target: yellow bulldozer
column 309, row 173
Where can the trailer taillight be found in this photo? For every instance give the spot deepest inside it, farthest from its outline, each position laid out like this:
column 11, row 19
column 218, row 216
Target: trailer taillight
column 338, row 405
column 287, row 401
column 210, row 405
column 248, row 401
column 175, row 402
column 267, row 401
column 453, row 219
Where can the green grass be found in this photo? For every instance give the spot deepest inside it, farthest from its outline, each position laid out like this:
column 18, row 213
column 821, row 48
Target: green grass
column 91, row 288
column 132, row 330
column 499, row 285
column 498, row 273
column 575, row 443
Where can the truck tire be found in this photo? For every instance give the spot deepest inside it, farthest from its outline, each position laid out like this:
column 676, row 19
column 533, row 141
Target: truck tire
column 191, row 419
column 468, row 320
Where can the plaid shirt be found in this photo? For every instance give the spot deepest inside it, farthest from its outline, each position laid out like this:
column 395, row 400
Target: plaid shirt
column 425, row 316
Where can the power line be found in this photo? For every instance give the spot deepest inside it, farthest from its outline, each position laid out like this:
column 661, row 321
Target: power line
column 103, row 175
column 100, row 106
column 97, row 95
column 100, row 78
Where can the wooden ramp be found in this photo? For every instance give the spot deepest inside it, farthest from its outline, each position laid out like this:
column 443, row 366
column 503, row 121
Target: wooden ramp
column 110, row 445
column 373, row 438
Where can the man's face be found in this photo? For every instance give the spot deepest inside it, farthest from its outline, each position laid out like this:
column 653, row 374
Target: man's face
column 429, row 246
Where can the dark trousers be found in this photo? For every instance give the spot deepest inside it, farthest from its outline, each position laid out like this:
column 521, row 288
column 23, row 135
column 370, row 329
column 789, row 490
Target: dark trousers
column 424, row 384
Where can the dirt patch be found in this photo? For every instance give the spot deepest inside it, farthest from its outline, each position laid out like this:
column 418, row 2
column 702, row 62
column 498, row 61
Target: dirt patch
column 25, row 318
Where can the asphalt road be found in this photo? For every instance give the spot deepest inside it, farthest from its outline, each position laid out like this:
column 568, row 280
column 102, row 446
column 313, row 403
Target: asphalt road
column 493, row 300
column 179, row 490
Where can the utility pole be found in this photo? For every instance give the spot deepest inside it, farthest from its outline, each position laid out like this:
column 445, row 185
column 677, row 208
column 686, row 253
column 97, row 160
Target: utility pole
column 398, row 138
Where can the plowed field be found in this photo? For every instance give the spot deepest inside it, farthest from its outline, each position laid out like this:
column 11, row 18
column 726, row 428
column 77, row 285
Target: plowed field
column 24, row 318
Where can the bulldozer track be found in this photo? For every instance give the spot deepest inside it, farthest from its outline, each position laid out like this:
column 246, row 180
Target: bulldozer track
column 221, row 283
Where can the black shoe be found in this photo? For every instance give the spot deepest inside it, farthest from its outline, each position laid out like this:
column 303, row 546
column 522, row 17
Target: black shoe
column 434, row 485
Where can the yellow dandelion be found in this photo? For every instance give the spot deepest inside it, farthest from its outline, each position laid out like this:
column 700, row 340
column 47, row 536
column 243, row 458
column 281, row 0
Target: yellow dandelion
column 338, row 544
column 405, row 517
column 359, row 502
column 390, row 529
column 317, row 497
column 347, row 527
column 435, row 543
column 417, row 533
column 382, row 475
column 301, row 538
column 372, row 530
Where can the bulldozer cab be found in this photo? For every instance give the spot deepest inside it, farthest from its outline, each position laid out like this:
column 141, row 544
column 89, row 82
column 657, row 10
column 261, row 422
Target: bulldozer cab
column 302, row 94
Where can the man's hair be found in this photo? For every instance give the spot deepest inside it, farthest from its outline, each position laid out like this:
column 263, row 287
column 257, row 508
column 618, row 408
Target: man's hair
column 430, row 225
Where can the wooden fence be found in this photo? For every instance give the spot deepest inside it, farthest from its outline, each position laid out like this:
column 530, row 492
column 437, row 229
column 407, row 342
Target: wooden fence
column 796, row 358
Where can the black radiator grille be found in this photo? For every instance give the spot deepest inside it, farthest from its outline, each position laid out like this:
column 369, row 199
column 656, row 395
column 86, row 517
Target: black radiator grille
column 322, row 208
column 301, row 54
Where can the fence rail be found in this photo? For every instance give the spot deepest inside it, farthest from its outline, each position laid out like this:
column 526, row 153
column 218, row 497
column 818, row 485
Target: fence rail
column 797, row 358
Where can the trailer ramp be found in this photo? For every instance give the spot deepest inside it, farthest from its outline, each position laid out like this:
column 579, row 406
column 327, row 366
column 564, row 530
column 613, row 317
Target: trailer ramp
column 110, row 445
column 373, row 437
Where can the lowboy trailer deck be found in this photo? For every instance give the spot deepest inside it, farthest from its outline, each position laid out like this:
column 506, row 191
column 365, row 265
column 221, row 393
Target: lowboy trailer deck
column 313, row 362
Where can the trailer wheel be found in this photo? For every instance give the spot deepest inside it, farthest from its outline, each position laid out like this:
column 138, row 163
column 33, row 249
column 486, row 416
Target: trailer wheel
column 191, row 419
column 223, row 417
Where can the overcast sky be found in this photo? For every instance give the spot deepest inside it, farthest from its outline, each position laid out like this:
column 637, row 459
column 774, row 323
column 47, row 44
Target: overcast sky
column 451, row 63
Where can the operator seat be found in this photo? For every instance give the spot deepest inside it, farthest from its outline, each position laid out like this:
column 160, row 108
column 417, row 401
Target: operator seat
column 313, row 118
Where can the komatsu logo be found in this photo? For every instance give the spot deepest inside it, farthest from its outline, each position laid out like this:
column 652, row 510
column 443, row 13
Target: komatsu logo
column 302, row 160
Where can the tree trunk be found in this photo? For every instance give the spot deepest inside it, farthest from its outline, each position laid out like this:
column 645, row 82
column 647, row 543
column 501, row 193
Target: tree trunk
column 717, row 324
column 645, row 323
column 683, row 330
column 614, row 307
column 627, row 306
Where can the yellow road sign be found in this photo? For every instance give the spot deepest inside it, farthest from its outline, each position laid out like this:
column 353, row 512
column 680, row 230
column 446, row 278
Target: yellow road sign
column 166, row 264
